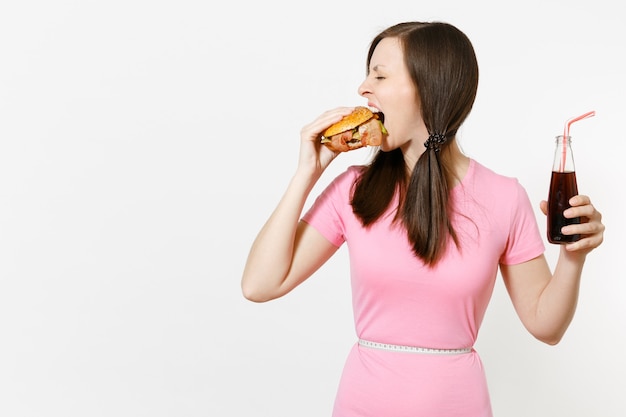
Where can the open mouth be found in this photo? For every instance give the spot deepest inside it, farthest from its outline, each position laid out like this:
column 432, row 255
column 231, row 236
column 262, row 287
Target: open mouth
column 380, row 114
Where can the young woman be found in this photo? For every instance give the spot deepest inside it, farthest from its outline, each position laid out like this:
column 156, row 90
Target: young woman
column 426, row 229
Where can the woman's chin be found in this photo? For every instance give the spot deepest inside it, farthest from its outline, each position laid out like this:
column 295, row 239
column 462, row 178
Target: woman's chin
column 385, row 146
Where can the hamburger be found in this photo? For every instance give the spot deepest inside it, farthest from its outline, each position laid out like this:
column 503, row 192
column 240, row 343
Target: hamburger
column 360, row 128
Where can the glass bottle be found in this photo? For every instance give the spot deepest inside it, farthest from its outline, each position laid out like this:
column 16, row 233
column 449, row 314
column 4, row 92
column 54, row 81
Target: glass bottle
column 562, row 187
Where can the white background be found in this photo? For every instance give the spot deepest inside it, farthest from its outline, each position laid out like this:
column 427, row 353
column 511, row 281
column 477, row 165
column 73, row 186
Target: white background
column 144, row 143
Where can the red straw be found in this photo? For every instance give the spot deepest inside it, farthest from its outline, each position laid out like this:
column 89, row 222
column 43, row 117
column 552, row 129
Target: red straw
column 566, row 134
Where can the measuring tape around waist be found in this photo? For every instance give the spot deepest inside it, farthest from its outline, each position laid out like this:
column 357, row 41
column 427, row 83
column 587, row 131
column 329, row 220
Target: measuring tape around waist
column 413, row 349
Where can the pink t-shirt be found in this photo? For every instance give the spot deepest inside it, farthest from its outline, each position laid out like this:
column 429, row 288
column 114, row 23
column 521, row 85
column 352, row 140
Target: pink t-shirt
column 399, row 300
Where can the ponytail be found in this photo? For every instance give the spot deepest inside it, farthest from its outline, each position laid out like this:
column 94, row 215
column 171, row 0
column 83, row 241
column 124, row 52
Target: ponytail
column 425, row 210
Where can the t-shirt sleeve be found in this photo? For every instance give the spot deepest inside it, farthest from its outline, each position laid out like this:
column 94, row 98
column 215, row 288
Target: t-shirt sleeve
column 329, row 208
column 524, row 241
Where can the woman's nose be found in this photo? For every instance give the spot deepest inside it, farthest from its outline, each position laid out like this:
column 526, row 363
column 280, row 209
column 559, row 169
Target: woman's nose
column 363, row 88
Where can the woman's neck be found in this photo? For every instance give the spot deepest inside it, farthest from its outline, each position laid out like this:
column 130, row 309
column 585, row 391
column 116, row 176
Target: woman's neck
column 456, row 161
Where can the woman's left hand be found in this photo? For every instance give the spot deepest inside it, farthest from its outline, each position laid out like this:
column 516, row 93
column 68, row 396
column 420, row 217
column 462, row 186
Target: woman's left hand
column 590, row 228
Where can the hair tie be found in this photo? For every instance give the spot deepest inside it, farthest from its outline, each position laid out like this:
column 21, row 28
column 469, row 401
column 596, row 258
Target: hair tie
column 434, row 141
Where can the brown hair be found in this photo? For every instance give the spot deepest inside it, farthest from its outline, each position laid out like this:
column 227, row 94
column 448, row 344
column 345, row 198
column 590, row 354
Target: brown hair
column 442, row 63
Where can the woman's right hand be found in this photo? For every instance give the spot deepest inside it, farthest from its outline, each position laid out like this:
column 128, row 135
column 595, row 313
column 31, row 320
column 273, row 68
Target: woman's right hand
column 315, row 157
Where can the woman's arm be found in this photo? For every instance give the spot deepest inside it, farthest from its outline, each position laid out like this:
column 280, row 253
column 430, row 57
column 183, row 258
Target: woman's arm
column 287, row 251
column 545, row 301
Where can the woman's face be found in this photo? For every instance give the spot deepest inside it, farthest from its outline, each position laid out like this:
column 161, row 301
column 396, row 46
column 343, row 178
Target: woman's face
column 388, row 87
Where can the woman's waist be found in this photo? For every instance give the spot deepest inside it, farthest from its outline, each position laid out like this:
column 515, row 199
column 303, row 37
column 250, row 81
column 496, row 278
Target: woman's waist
column 417, row 348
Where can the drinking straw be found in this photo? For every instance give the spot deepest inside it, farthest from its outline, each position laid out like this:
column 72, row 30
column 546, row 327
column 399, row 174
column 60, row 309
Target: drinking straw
column 566, row 135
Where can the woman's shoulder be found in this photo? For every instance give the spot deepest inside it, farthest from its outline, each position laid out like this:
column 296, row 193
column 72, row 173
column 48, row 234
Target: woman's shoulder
column 341, row 183
column 484, row 175
column 349, row 175
column 494, row 185
column 355, row 170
